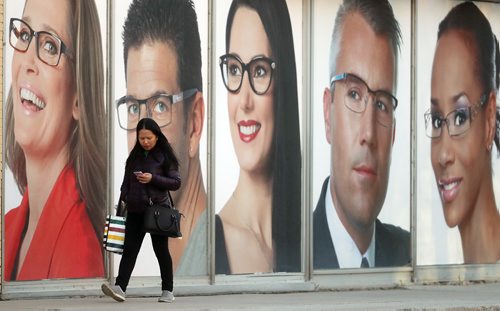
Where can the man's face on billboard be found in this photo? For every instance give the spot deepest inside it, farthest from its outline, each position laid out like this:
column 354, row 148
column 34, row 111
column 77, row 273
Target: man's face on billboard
column 360, row 141
column 152, row 70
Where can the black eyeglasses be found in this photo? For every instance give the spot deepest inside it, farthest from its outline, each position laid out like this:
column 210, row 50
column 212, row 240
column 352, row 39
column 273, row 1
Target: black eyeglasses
column 356, row 94
column 158, row 107
column 260, row 73
column 49, row 46
column 458, row 121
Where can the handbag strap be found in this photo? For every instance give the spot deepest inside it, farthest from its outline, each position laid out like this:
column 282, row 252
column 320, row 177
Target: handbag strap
column 170, row 198
column 151, row 200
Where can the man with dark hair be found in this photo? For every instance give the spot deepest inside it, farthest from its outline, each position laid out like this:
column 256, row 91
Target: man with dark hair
column 162, row 54
column 359, row 109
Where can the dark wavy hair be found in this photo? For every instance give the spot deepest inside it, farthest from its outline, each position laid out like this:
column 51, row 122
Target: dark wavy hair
column 467, row 17
column 285, row 155
column 162, row 143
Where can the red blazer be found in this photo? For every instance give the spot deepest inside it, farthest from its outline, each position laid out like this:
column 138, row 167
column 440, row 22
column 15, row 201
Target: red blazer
column 64, row 244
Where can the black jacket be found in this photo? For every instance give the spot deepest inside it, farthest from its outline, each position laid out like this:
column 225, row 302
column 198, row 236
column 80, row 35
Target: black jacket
column 392, row 244
column 165, row 177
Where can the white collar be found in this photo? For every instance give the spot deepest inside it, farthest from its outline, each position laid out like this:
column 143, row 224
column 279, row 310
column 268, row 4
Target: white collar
column 348, row 254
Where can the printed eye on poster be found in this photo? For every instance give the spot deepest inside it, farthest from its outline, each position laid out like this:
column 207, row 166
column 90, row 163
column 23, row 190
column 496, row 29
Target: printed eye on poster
column 55, row 137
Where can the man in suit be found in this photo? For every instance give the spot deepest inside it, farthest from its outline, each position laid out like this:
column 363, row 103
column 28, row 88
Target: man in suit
column 359, row 111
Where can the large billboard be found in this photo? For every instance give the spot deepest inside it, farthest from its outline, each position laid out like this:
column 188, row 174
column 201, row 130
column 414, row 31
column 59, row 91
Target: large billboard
column 55, row 137
column 370, row 134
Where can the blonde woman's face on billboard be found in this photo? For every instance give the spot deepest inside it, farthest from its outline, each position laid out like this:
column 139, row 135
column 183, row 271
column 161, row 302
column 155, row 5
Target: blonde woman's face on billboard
column 44, row 95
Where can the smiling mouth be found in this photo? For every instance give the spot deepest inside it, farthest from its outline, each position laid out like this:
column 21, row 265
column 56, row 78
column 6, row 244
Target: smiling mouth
column 448, row 186
column 32, row 102
column 248, row 132
column 449, row 189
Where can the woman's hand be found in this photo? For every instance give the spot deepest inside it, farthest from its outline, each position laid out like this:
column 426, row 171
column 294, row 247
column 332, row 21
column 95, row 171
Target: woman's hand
column 144, row 178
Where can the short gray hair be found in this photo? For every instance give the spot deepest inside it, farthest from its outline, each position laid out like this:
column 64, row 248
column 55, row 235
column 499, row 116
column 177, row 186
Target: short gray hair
column 378, row 14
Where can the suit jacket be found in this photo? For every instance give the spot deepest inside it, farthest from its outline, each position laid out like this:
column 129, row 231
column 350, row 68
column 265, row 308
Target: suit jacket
column 392, row 244
column 64, row 244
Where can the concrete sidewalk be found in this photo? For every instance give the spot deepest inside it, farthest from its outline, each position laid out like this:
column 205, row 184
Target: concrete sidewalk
column 421, row 297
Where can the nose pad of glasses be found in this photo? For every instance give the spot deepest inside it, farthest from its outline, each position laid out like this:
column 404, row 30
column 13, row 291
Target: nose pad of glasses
column 369, row 109
column 30, row 61
column 245, row 86
column 144, row 111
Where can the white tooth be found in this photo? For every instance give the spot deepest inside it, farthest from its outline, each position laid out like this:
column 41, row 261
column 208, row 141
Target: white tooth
column 248, row 130
column 24, row 93
column 28, row 95
column 450, row 186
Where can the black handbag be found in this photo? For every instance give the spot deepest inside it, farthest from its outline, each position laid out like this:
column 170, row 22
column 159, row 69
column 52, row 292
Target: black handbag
column 163, row 219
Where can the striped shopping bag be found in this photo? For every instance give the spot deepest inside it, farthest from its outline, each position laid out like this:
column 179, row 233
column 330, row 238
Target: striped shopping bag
column 114, row 234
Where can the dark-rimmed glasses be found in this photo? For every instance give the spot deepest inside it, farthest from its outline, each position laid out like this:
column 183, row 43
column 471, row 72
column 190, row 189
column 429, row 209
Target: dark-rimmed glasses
column 458, row 121
column 356, row 93
column 158, row 107
column 49, row 46
column 260, row 73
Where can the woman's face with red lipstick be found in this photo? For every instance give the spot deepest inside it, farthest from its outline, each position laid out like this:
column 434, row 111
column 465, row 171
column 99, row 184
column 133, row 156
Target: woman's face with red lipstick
column 44, row 96
column 251, row 116
column 460, row 161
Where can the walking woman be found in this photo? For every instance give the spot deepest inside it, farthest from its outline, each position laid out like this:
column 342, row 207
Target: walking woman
column 151, row 170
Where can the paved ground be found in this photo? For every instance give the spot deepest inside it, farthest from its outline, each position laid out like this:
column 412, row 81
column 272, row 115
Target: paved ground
column 428, row 297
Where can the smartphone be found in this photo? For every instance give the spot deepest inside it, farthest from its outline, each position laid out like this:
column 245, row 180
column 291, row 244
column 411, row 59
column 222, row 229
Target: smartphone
column 137, row 173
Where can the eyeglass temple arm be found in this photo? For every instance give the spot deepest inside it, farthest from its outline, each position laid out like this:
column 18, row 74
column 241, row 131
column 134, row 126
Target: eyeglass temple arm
column 338, row 77
column 183, row 95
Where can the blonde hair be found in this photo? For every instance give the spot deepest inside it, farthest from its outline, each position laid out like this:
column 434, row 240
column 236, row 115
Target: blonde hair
column 88, row 147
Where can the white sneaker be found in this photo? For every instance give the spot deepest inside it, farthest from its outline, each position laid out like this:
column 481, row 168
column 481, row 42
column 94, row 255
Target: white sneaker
column 166, row 296
column 114, row 292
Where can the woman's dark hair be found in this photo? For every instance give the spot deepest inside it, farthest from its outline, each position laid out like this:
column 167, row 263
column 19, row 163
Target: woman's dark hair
column 467, row 17
column 285, row 164
column 162, row 143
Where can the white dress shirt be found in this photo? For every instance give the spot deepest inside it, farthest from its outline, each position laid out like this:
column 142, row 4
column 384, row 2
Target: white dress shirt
column 348, row 254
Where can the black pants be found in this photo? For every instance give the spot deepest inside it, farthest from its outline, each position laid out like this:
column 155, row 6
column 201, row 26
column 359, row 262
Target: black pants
column 134, row 235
